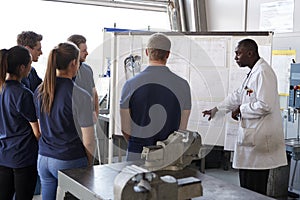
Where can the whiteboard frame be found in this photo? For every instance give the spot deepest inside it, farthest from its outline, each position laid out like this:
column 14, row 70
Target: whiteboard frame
column 115, row 87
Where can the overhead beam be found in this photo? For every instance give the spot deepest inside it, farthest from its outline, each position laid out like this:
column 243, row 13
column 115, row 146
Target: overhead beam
column 150, row 6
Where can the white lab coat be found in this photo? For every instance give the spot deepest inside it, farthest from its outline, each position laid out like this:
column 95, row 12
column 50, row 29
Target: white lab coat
column 260, row 139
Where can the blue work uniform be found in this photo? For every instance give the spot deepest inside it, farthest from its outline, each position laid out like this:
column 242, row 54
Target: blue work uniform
column 32, row 81
column 18, row 145
column 155, row 97
column 71, row 109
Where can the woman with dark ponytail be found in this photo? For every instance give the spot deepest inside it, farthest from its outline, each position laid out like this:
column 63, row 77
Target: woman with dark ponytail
column 19, row 129
column 65, row 114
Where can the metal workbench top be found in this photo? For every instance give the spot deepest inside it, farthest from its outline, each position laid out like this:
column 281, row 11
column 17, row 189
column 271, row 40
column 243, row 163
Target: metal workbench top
column 292, row 145
column 97, row 183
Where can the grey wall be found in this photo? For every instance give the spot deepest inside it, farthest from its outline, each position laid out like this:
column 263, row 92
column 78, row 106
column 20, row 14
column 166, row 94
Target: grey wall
column 287, row 41
column 225, row 15
column 281, row 41
column 297, row 16
column 254, row 14
column 231, row 15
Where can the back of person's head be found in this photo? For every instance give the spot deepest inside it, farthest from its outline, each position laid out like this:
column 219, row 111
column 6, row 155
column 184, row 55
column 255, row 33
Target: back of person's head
column 29, row 38
column 11, row 60
column 158, row 46
column 249, row 45
column 77, row 39
column 61, row 56
column 59, row 59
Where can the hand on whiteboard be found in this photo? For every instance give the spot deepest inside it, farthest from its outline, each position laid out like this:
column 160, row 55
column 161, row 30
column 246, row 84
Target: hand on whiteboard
column 210, row 112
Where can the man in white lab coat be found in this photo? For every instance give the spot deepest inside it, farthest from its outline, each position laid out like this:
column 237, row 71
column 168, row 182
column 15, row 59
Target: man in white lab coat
column 260, row 142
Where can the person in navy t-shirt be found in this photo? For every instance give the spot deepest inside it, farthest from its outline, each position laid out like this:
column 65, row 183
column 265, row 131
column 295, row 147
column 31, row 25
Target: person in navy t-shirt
column 19, row 129
column 154, row 103
column 65, row 114
column 32, row 41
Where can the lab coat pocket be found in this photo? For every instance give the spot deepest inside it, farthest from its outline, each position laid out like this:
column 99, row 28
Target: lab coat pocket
column 246, row 136
column 250, row 97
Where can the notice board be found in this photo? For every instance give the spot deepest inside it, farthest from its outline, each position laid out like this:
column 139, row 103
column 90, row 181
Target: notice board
column 204, row 59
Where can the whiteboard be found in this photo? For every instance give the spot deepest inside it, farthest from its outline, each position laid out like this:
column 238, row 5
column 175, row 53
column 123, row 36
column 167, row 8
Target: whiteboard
column 205, row 60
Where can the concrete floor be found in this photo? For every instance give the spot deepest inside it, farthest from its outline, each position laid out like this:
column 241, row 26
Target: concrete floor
column 232, row 176
column 37, row 197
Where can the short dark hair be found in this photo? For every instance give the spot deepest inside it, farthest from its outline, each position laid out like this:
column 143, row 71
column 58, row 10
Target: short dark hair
column 249, row 44
column 77, row 39
column 29, row 38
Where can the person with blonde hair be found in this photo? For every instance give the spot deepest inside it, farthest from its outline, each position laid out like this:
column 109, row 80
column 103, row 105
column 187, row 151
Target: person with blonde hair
column 65, row 114
column 19, row 129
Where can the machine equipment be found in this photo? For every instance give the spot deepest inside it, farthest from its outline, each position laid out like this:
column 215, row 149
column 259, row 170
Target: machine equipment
column 292, row 114
column 155, row 178
column 132, row 180
column 291, row 119
column 294, row 95
column 174, row 153
column 132, row 65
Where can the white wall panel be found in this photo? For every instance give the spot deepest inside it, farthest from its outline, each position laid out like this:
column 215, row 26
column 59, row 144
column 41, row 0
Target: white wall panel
column 254, row 14
column 225, row 15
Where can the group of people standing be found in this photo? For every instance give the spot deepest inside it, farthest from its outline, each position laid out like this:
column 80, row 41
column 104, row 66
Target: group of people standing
column 157, row 102
column 49, row 125
column 46, row 125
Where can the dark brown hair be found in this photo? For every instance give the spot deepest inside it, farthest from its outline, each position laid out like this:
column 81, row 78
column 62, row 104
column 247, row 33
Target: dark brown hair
column 77, row 39
column 59, row 58
column 11, row 60
column 29, row 38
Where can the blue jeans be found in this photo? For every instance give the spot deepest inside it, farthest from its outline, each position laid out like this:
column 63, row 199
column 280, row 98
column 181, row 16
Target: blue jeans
column 48, row 172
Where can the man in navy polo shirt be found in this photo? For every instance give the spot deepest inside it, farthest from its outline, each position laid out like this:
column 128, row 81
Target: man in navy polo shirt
column 154, row 103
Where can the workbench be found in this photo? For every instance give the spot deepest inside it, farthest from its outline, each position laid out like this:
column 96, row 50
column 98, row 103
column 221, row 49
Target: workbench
column 97, row 183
